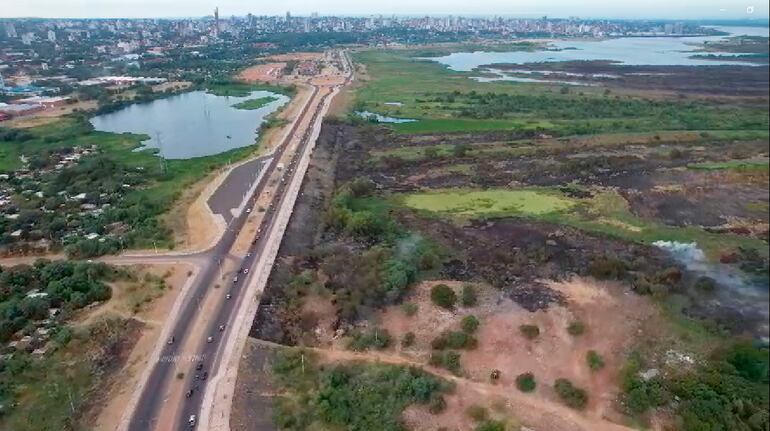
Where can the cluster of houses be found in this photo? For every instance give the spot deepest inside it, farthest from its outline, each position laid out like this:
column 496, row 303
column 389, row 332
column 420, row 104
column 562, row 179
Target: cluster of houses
column 26, row 182
column 36, row 342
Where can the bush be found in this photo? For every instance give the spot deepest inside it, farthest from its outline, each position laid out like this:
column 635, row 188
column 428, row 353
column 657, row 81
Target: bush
column 477, row 413
column 470, row 324
column 437, row 404
column 571, row 395
column 377, row 339
column 526, row 382
column 607, row 268
column 706, row 284
column 443, row 296
column 594, row 360
column 576, row 328
column 468, row 297
column 529, row 331
column 491, row 426
column 408, row 339
column 449, row 360
column 409, row 308
column 454, row 340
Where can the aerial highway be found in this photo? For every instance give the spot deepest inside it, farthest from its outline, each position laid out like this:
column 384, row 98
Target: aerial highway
column 197, row 334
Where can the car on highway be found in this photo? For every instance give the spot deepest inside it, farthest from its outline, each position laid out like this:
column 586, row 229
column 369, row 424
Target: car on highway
column 199, row 366
column 170, row 340
column 189, row 393
column 192, row 420
column 235, row 279
column 245, row 270
column 205, row 375
column 221, row 328
column 210, row 339
column 228, row 296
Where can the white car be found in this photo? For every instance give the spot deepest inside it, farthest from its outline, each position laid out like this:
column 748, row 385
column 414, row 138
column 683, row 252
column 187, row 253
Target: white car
column 210, row 339
column 192, row 420
column 228, row 296
column 245, row 270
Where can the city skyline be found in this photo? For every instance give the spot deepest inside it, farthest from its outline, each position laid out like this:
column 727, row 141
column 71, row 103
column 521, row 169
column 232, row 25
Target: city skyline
column 683, row 9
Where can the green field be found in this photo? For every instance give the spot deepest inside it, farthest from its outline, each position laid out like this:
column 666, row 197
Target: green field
column 605, row 213
column 447, row 101
column 489, row 202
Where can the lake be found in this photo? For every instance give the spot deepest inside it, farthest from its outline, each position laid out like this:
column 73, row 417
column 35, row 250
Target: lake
column 193, row 124
column 634, row 51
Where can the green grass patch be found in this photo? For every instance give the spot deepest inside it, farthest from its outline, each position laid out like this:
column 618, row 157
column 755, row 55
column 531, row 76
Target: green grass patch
column 489, row 202
column 605, row 213
column 738, row 165
column 253, row 104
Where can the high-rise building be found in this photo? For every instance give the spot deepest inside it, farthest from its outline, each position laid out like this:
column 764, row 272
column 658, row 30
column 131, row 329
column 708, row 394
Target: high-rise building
column 10, row 30
column 216, row 21
column 51, row 36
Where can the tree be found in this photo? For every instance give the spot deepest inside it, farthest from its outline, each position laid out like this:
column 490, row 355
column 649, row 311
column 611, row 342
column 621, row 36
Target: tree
column 529, row 331
column 469, row 324
column 576, row 328
column 594, row 360
column 571, row 395
column 468, row 297
column 443, row 296
column 460, row 150
column 526, row 382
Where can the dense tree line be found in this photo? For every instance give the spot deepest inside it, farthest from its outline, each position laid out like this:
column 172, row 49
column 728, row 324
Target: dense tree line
column 729, row 391
column 64, row 285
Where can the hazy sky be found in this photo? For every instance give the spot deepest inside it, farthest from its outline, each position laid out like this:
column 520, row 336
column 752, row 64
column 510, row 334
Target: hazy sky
column 676, row 9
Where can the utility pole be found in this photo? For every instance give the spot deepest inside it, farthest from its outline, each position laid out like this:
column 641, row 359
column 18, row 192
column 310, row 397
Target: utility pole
column 162, row 159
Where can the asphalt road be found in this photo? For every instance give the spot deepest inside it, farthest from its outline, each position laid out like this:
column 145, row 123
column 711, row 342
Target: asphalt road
column 151, row 400
column 236, row 186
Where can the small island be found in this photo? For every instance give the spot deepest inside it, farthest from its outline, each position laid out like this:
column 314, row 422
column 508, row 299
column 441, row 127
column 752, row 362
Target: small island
column 257, row 103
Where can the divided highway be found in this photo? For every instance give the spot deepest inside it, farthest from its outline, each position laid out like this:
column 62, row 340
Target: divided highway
column 206, row 361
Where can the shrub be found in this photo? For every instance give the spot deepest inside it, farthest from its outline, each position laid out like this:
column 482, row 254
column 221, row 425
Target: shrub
column 706, row 284
column 468, row 297
column 470, row 324
column 443, row 296
column 526, row 382
column 576, row 328
column 529, row 331
column 408, row 339
column 607, row 268
column 594, row 360
column 437, row 404
column 491, row 426
column 571, row 395
column 449, row 360
column 477, row 413
column 454, row 340
column 409, row 308
column 377, row 338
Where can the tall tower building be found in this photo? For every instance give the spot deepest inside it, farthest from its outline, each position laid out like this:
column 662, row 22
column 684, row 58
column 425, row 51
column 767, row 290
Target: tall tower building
column 216, row 21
